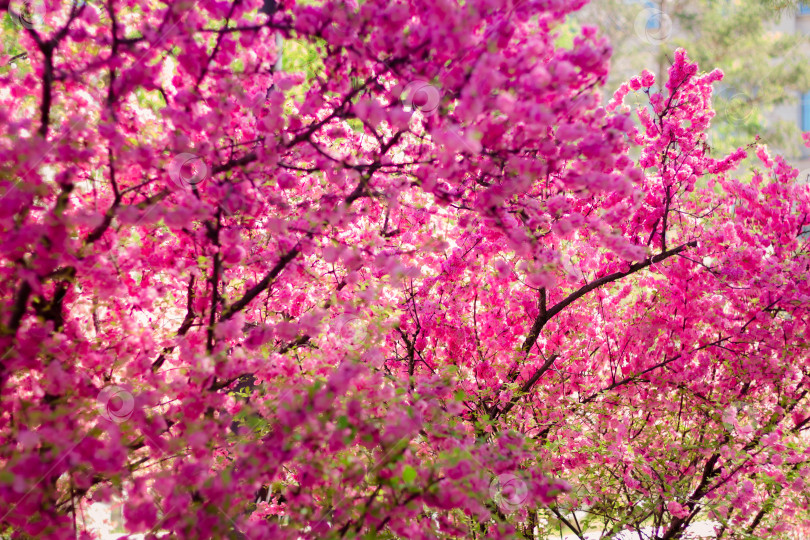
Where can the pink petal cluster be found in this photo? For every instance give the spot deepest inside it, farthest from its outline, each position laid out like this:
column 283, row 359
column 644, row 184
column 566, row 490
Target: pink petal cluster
column 423, row 286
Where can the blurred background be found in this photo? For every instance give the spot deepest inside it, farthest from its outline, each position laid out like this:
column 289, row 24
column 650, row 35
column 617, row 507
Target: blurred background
column 762, row 46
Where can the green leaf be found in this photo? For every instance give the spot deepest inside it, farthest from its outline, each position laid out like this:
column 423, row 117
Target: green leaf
column 408, row 474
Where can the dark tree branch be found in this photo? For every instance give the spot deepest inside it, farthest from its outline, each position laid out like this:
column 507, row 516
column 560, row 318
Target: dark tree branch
column 261, row 286
column 527, row 386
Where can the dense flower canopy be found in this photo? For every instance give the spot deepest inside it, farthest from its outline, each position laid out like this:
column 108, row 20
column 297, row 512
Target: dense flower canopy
column 428, row 286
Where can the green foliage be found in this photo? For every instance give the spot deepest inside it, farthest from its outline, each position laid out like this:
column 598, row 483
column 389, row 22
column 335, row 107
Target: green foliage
column 765, row 63
column 408, row 474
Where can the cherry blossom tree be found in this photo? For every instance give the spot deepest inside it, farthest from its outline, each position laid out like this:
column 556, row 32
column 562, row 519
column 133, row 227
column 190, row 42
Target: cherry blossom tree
column 425, row 286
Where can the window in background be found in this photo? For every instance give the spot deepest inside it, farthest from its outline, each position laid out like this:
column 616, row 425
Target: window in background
column 806, row 111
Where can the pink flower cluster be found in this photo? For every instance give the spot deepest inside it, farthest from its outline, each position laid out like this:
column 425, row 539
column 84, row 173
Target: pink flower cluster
column 363, row 306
